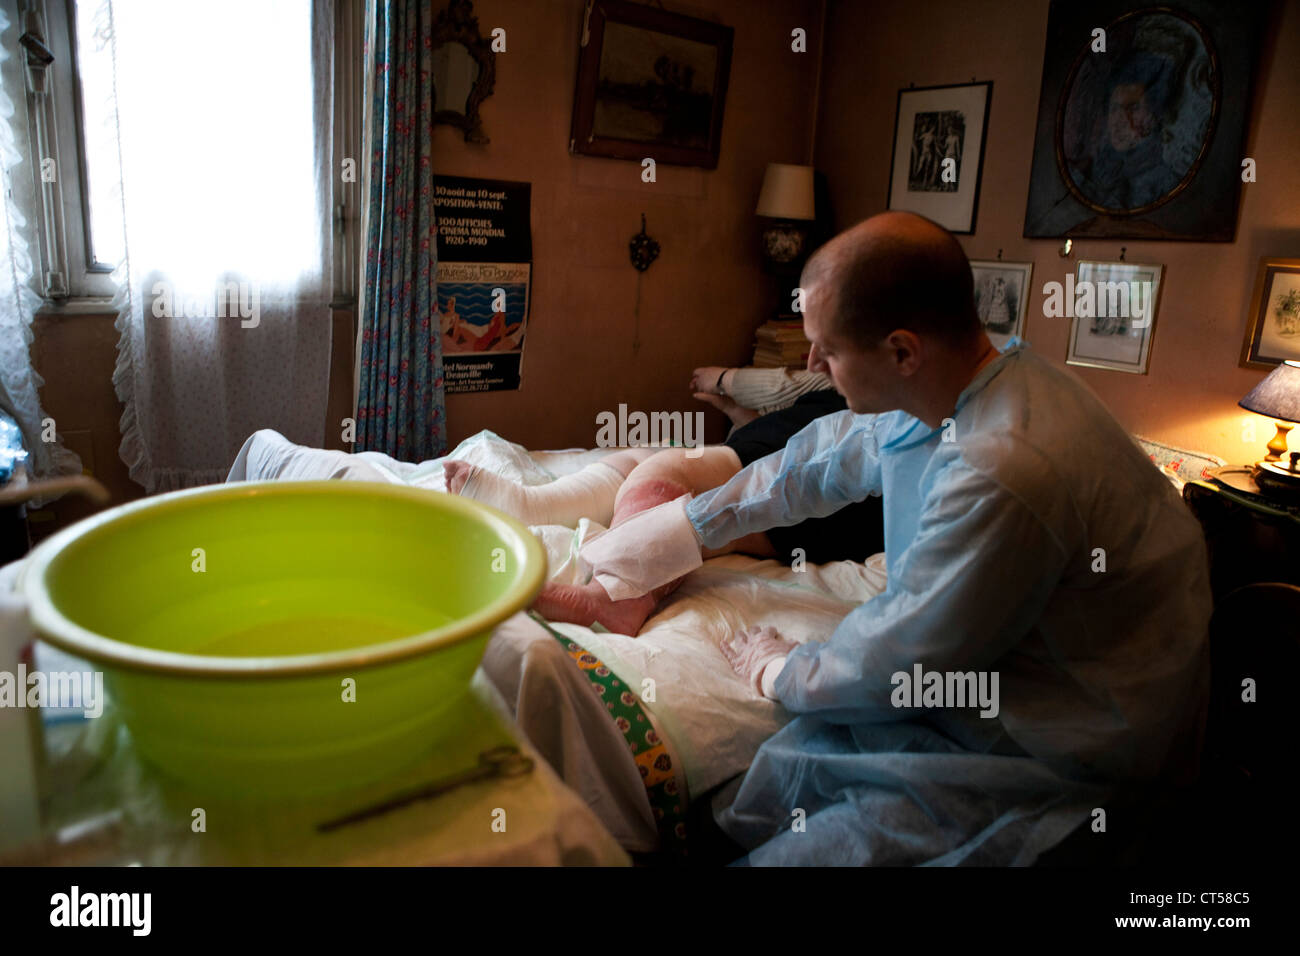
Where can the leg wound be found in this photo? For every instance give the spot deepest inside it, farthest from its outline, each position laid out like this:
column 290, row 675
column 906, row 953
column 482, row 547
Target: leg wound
column 646, row 494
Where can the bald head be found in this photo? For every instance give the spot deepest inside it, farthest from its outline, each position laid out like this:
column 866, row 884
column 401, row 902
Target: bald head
column 893, row 271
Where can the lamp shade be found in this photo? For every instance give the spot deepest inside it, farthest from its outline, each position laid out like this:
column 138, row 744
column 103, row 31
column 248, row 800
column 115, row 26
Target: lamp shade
column 1278, row 395
column 787, row 192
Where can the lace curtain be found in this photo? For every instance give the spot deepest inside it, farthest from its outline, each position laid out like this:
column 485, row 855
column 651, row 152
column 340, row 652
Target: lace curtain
column 208, row 139
column 19, row 382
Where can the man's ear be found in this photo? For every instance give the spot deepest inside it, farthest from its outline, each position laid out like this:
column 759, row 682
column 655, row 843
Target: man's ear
column 907, row 350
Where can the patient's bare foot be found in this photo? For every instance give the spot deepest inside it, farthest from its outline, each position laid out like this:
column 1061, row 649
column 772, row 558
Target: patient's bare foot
column 585, row 603
column 457, row 473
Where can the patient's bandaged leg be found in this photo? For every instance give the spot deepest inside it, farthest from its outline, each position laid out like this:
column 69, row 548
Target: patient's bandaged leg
column 587, row 493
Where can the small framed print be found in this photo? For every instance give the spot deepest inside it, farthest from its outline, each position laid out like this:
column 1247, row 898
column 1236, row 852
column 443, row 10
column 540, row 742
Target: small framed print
column 1114, row 306
column 1273, row 326
column 939, row 134
column 1002, row 292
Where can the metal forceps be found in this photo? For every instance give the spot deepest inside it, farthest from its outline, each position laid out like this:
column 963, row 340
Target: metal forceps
column 503, row 761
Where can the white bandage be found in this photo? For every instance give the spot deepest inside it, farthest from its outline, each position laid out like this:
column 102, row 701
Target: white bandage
column 587, row 493
column 649, row 549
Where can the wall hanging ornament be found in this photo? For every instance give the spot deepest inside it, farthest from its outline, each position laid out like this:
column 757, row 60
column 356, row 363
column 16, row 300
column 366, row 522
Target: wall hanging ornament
column 643, row 249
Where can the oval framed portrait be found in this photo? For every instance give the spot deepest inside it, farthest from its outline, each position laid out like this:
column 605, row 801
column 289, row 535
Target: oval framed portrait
column 1136, row 118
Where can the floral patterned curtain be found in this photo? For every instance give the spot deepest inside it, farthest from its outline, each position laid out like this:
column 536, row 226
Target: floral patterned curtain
column 400, row 402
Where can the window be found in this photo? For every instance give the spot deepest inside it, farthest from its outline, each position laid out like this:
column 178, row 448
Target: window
column 73, row 140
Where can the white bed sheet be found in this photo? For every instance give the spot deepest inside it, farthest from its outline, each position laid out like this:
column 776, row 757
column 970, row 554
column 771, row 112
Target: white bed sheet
column 713, row 720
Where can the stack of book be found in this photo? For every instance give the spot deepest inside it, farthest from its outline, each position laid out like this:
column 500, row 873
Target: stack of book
column 781, row 344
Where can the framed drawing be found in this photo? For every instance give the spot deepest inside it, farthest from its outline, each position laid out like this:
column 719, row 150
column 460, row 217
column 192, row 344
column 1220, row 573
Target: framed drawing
column 939, row 136
column 1002, row 293
column 1114, row 307
column 1142, row 117
column 650, row 84
column 1273, row 326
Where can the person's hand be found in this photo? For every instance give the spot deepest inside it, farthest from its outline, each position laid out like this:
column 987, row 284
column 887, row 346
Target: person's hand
column 706, row 379
column 750, row 651
column 737, row 413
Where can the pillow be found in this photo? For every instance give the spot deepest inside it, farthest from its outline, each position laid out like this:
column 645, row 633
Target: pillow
column 1179, row 465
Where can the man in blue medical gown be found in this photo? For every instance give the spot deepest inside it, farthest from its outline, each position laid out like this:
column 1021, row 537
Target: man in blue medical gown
column 1033, row 553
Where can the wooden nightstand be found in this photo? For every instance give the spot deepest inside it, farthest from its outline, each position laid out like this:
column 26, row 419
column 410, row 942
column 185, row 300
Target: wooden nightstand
column 1251, row 538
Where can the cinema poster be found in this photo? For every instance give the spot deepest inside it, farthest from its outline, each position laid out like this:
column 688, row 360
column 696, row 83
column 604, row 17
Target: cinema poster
column 484, row 276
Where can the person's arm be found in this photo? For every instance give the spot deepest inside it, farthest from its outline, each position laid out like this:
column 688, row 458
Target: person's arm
column 769, row 389
column 974, row 582
column 829, row 463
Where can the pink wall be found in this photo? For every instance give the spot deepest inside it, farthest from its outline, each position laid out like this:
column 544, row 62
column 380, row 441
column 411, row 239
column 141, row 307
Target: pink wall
column 1189, row 395
column 702, row 299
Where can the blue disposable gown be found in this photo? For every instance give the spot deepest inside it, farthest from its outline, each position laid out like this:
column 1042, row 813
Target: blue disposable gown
column 1029, row 536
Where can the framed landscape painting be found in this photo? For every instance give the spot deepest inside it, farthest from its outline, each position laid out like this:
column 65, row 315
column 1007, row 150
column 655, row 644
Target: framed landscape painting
column 650, row 84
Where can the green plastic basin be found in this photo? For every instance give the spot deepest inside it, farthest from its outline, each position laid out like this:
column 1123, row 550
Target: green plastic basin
column 285, row 638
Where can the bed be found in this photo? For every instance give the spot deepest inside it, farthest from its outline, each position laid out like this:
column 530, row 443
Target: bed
column 635, row 725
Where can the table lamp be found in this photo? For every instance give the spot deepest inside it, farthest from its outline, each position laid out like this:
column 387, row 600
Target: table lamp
column 787, row 203
column 1278, row 397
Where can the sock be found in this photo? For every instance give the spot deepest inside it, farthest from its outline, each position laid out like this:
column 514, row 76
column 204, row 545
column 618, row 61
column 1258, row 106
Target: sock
column 588, row 493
